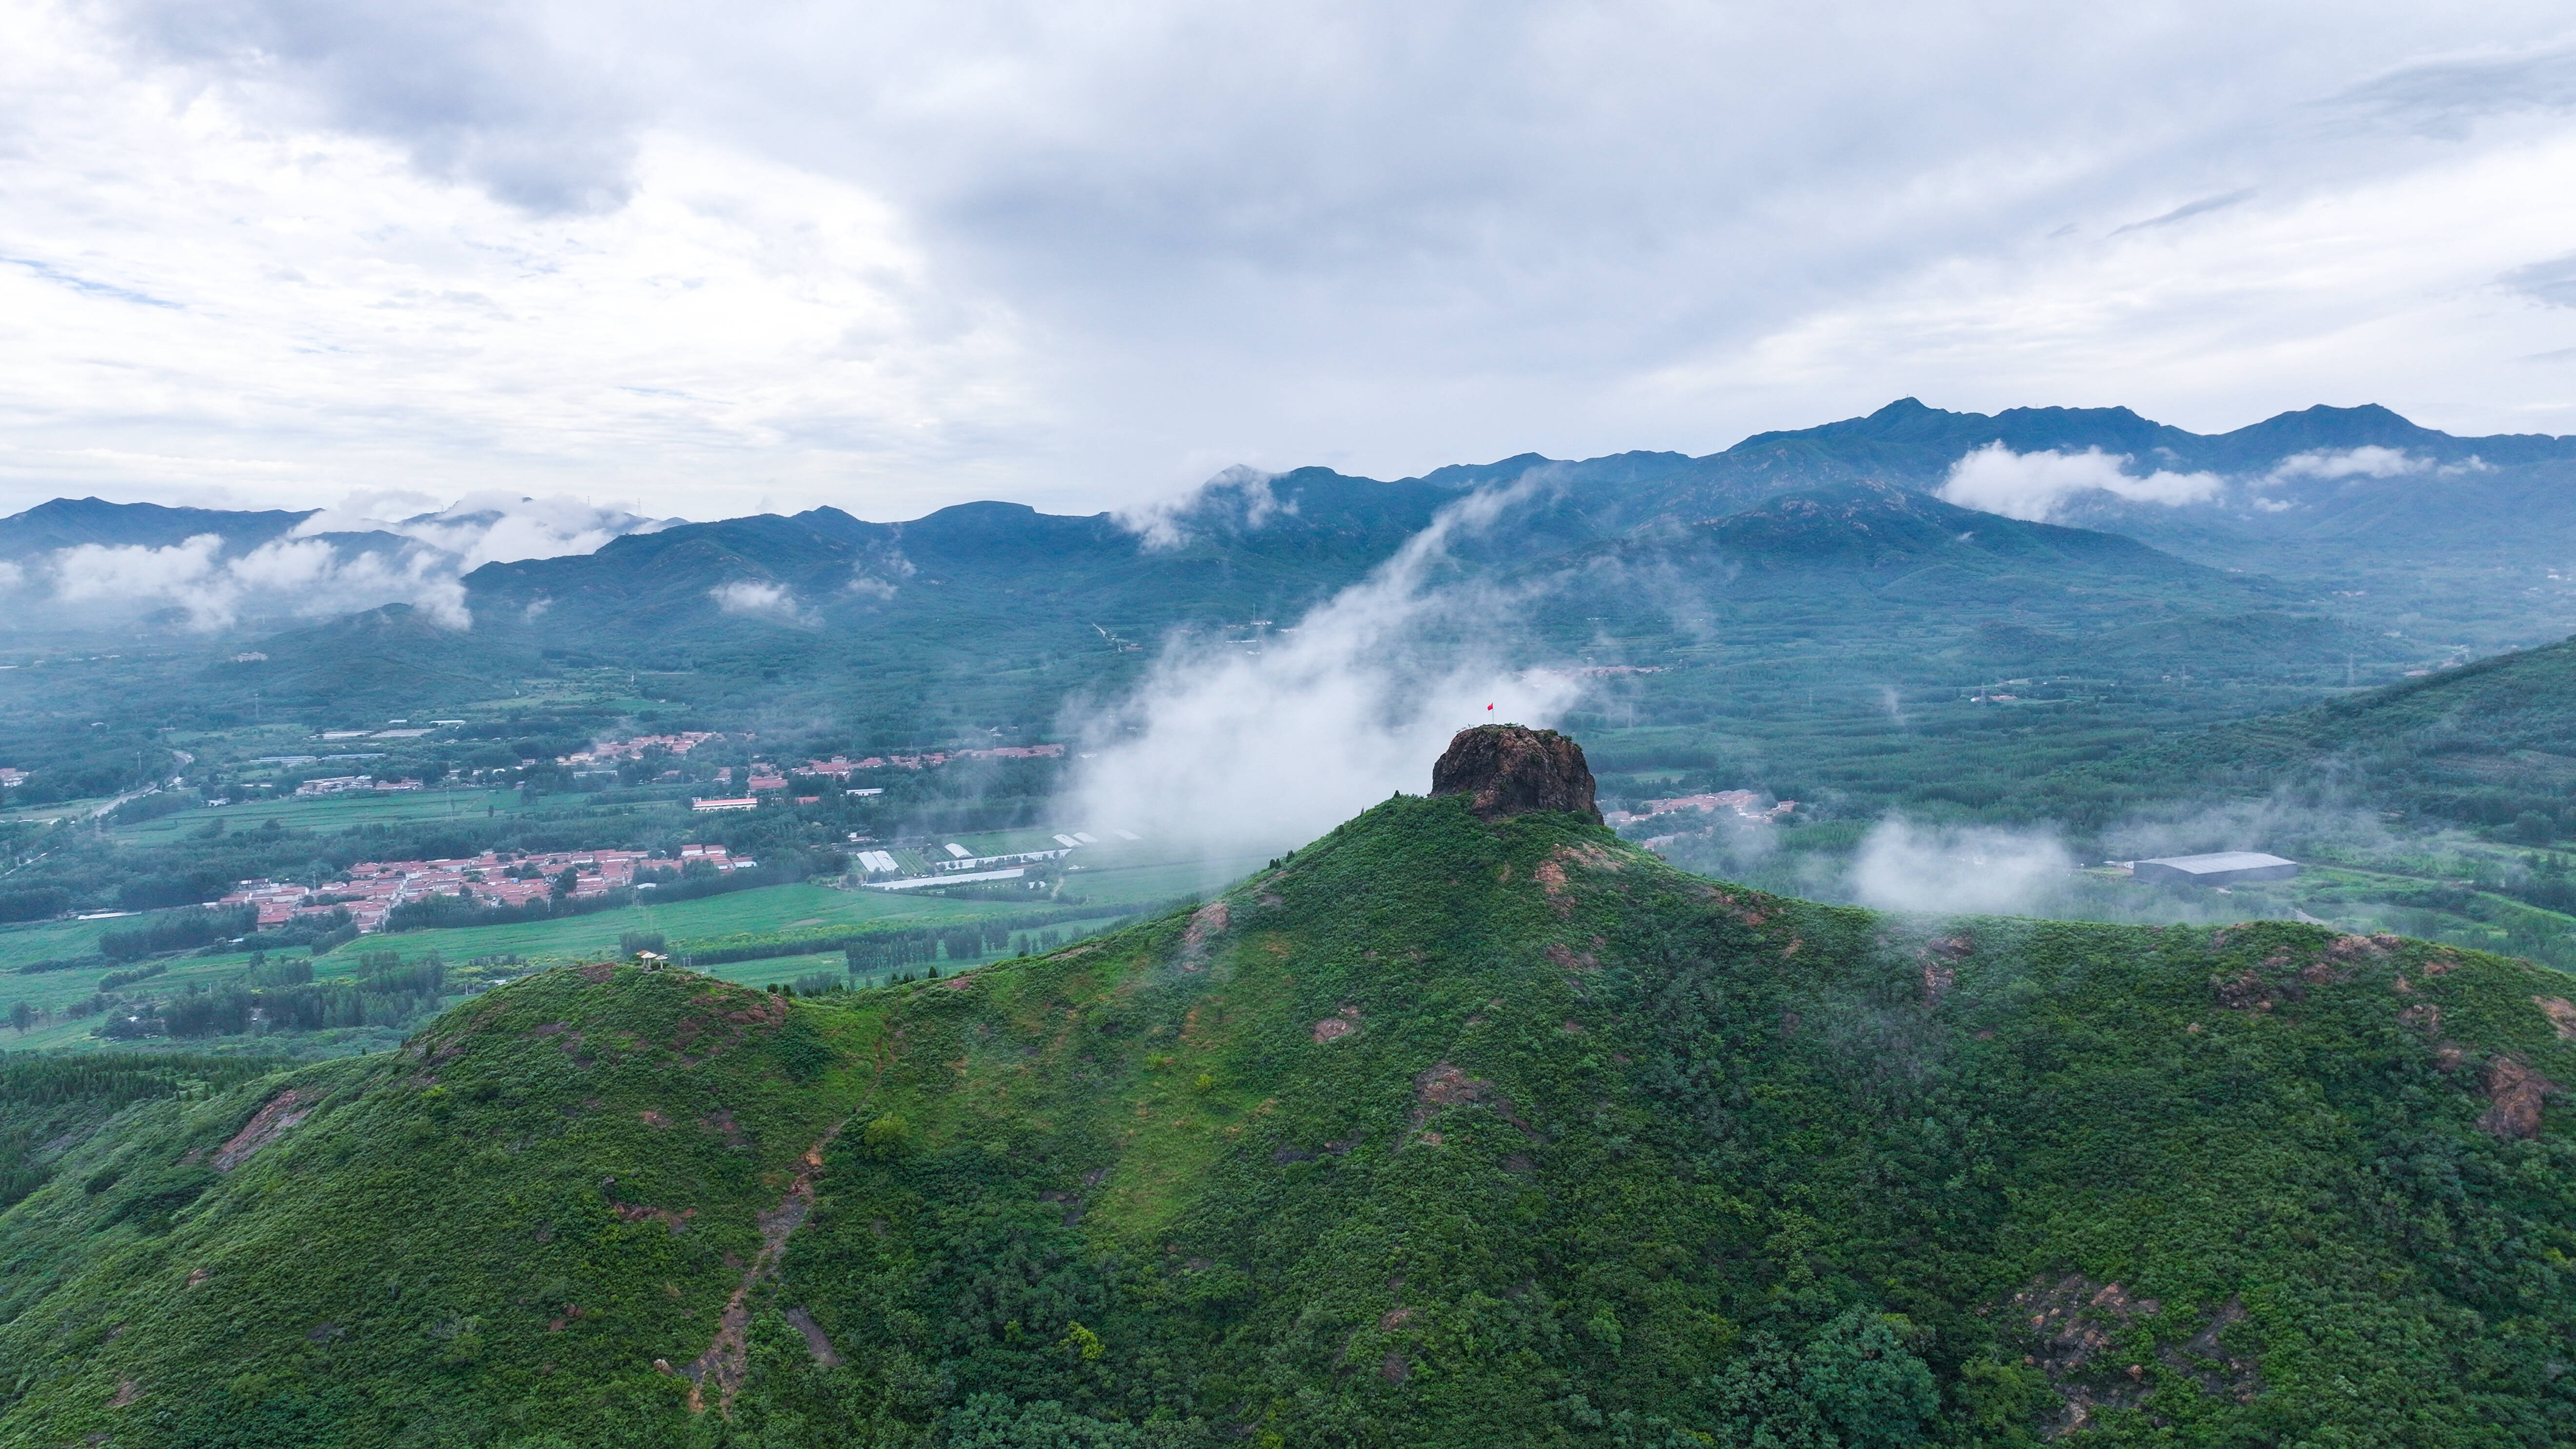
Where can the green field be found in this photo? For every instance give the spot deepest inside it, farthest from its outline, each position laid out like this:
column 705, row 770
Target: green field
column 770, row 911
column 53, row 940
column 333, row 812
column 58, row 810
column 1112, row 879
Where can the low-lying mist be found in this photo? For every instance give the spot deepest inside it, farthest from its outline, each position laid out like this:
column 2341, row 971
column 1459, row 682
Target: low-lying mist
column 1898, row 863
column 1242, row 751
column 338, row 560
column 1979, row 870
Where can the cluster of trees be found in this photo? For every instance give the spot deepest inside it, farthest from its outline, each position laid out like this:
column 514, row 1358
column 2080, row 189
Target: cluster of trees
column 117, row 980
column 45, row 1099
column 321, row 933
column 76, row 759
column 177, row 931
column 386, row 992
column 875, row 952
column 34, row 904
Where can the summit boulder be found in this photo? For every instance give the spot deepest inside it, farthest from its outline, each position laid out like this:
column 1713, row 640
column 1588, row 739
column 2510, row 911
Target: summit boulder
column 1513, row 769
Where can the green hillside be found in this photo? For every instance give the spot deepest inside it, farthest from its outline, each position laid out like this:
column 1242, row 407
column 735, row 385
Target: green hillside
column 2489, row 742
column 1441, row 1132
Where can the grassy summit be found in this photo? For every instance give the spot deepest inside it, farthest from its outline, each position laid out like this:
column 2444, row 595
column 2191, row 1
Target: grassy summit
column 1445, row 1131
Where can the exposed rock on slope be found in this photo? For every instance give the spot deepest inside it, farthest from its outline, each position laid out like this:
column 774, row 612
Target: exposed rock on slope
column 1506, row 769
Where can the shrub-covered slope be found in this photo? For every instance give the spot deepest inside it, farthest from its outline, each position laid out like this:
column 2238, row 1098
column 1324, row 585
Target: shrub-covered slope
column 2482, row 743
column 1444, row 1132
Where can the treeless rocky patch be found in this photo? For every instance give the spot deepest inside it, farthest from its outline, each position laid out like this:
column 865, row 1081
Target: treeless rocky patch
column 1209, row 920
column 1206, row 924
column 728, row 1359
column 1565, row 958
column 815, row 1343
column 2071, row 1323
column 2561, row 1013
column 1445, row 1086
column 2514, row 1095
column 265, row 1126
column 638, row 1213
column 1505, row 770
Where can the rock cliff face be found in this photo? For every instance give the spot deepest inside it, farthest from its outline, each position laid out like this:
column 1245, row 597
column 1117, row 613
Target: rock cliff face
column 1512, row 769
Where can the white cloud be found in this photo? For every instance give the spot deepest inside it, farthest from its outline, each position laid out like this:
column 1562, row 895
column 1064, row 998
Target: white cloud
column 1995, row 479
column 879, row 573
column 485, row 528
column 1902, row 866
column 312, row 573
column 223, row 291
column 301, row 577
column 2366, row 462
column 1236, row 498
column 750, row 596
column 1237, row 750
column 94, row 571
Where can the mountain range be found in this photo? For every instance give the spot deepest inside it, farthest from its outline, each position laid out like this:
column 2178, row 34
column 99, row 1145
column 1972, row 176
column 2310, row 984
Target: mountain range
column 2360, row 478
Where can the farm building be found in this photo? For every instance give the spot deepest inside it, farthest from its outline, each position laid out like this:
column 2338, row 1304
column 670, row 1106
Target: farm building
column 2226, row 867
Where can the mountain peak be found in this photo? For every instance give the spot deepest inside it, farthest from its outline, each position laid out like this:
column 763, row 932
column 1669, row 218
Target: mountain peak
column 1508, row 769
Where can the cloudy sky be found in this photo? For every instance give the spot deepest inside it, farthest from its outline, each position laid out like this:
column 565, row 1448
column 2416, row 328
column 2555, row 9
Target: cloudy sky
column 702, row 259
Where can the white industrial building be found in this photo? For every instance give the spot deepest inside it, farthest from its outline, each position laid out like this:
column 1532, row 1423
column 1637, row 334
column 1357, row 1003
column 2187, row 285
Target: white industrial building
column 2226, row 867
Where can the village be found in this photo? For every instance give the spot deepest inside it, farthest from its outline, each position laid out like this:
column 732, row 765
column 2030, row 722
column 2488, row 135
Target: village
column 506, row 878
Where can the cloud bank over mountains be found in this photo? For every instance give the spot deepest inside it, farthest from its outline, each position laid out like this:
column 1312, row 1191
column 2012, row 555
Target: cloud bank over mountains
column 333, row 561
column 2038, row 486
column 2031, row 486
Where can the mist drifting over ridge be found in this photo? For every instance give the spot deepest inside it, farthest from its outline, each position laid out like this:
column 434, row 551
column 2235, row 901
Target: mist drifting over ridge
column 361, row 555
column 1242, row 751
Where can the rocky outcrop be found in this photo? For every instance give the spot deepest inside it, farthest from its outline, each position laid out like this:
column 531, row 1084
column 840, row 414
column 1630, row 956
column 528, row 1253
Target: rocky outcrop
column 1512, row 769
column 2514, row 1095
column 267, row 1125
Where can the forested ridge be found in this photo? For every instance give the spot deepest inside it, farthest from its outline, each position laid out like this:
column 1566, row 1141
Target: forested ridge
column 1441, row 1132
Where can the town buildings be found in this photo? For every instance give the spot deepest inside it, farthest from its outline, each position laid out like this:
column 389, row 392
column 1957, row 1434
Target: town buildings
column 375, row 887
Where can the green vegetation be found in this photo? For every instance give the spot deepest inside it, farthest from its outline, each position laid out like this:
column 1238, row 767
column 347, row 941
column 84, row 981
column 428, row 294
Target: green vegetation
column 1440, row 1133
column 55, row 1103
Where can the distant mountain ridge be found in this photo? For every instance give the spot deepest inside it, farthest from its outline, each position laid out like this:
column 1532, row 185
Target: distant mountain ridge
column 1905, row 442
column 72, row 522
column 995, row 610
